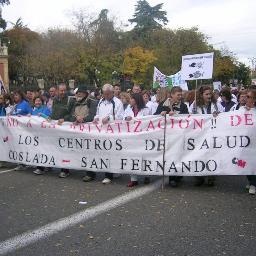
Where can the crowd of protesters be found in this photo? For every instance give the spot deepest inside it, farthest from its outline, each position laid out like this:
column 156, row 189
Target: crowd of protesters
column 110, row 103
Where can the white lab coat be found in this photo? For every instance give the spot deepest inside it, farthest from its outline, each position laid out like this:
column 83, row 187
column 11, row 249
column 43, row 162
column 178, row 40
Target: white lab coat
column 217, row 107
column 106, row 108
column 142, row 112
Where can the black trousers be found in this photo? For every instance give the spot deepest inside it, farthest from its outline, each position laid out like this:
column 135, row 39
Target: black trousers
column 252, row 180
column 93, row 174
column 175, row 178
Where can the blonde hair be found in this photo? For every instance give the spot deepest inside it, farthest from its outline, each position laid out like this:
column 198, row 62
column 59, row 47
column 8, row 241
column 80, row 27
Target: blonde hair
column 126, row 95
column 162, row 95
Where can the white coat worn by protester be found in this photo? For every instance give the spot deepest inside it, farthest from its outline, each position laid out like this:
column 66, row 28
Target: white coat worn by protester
column 112, row 109
column 215, row 107
column 129, row 113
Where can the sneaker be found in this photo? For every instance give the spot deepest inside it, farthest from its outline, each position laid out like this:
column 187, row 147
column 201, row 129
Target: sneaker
column 247, row 187
column 64, row 174
column 88, row 178
column 47, row 169
column 252, row 190
column 106, row 181
column 132, row 184
column 38, row 171
column 173, row 183
column 146, row 180
column 19, row 167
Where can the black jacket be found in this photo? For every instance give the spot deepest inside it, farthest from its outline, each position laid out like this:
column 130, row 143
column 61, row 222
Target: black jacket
column 182, row 109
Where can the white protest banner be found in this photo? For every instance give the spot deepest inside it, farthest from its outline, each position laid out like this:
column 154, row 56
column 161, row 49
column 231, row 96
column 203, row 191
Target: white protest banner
column 177, row 81
column 160, row 80
column 195, row 144
column 217, row 85
column 197, row 66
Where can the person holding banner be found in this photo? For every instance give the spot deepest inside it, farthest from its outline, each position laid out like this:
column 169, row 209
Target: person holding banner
column 60, row 113
column 251, row 105
column 83, row 110
column 174, row 105
column 9, row 104
column 162, row 95
column 205, row 103
column 2, row 106
column 137, row 108
column 125, row 98
column 109, row 109
column 40, row 110
column 22, row 107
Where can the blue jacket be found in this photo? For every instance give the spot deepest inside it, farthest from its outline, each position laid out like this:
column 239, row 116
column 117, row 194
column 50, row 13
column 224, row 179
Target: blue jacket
column 23, row 108
column 43, row 110
column 2, row 111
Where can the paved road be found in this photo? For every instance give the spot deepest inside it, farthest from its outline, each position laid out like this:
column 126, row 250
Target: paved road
column 184, row 221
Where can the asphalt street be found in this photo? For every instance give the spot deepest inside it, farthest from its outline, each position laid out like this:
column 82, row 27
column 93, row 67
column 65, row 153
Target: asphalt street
column 181, row 221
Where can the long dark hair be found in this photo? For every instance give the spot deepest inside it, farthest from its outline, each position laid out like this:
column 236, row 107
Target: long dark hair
column 138, row 100
column 8, row 97
column 200, row 99
column 253, row 92
column 21, row 94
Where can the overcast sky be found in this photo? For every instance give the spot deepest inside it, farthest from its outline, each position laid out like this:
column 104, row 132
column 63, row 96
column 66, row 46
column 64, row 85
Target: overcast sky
column 230, row 23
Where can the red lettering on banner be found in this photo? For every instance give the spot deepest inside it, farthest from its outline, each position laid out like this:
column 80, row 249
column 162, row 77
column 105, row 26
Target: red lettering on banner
column 29, row 124
column 118, row 127
column 248, row 119
column 98, row 128
column 128, row 127
column 186, row 123
column 159, row 124
column 150, row 126
column 72, row 126
column 109, row 128
column 12, row 122
column 199, row 123
column 138, row 122
column 46, row 124
column 235, row 120
column 43, row 124
column 52, row 125
column 81, row 127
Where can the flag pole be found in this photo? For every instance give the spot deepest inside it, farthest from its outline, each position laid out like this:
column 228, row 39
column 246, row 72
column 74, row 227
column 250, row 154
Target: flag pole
column 163, row 176
column 195, row 106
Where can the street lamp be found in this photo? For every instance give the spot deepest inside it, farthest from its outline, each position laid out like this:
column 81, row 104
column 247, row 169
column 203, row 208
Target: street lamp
column 252, row 60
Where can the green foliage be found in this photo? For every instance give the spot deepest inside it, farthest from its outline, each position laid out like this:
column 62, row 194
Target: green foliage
column 3, row 23
column 148, row 18
column 96, row 48
column 242, row 73
column 137, row 61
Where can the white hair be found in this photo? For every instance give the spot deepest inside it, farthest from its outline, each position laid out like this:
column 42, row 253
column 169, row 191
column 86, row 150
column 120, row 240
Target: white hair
column 107, row 87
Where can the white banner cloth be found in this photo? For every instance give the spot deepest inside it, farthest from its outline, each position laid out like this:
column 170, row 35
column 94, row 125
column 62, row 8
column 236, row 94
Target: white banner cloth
column 195, row 144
